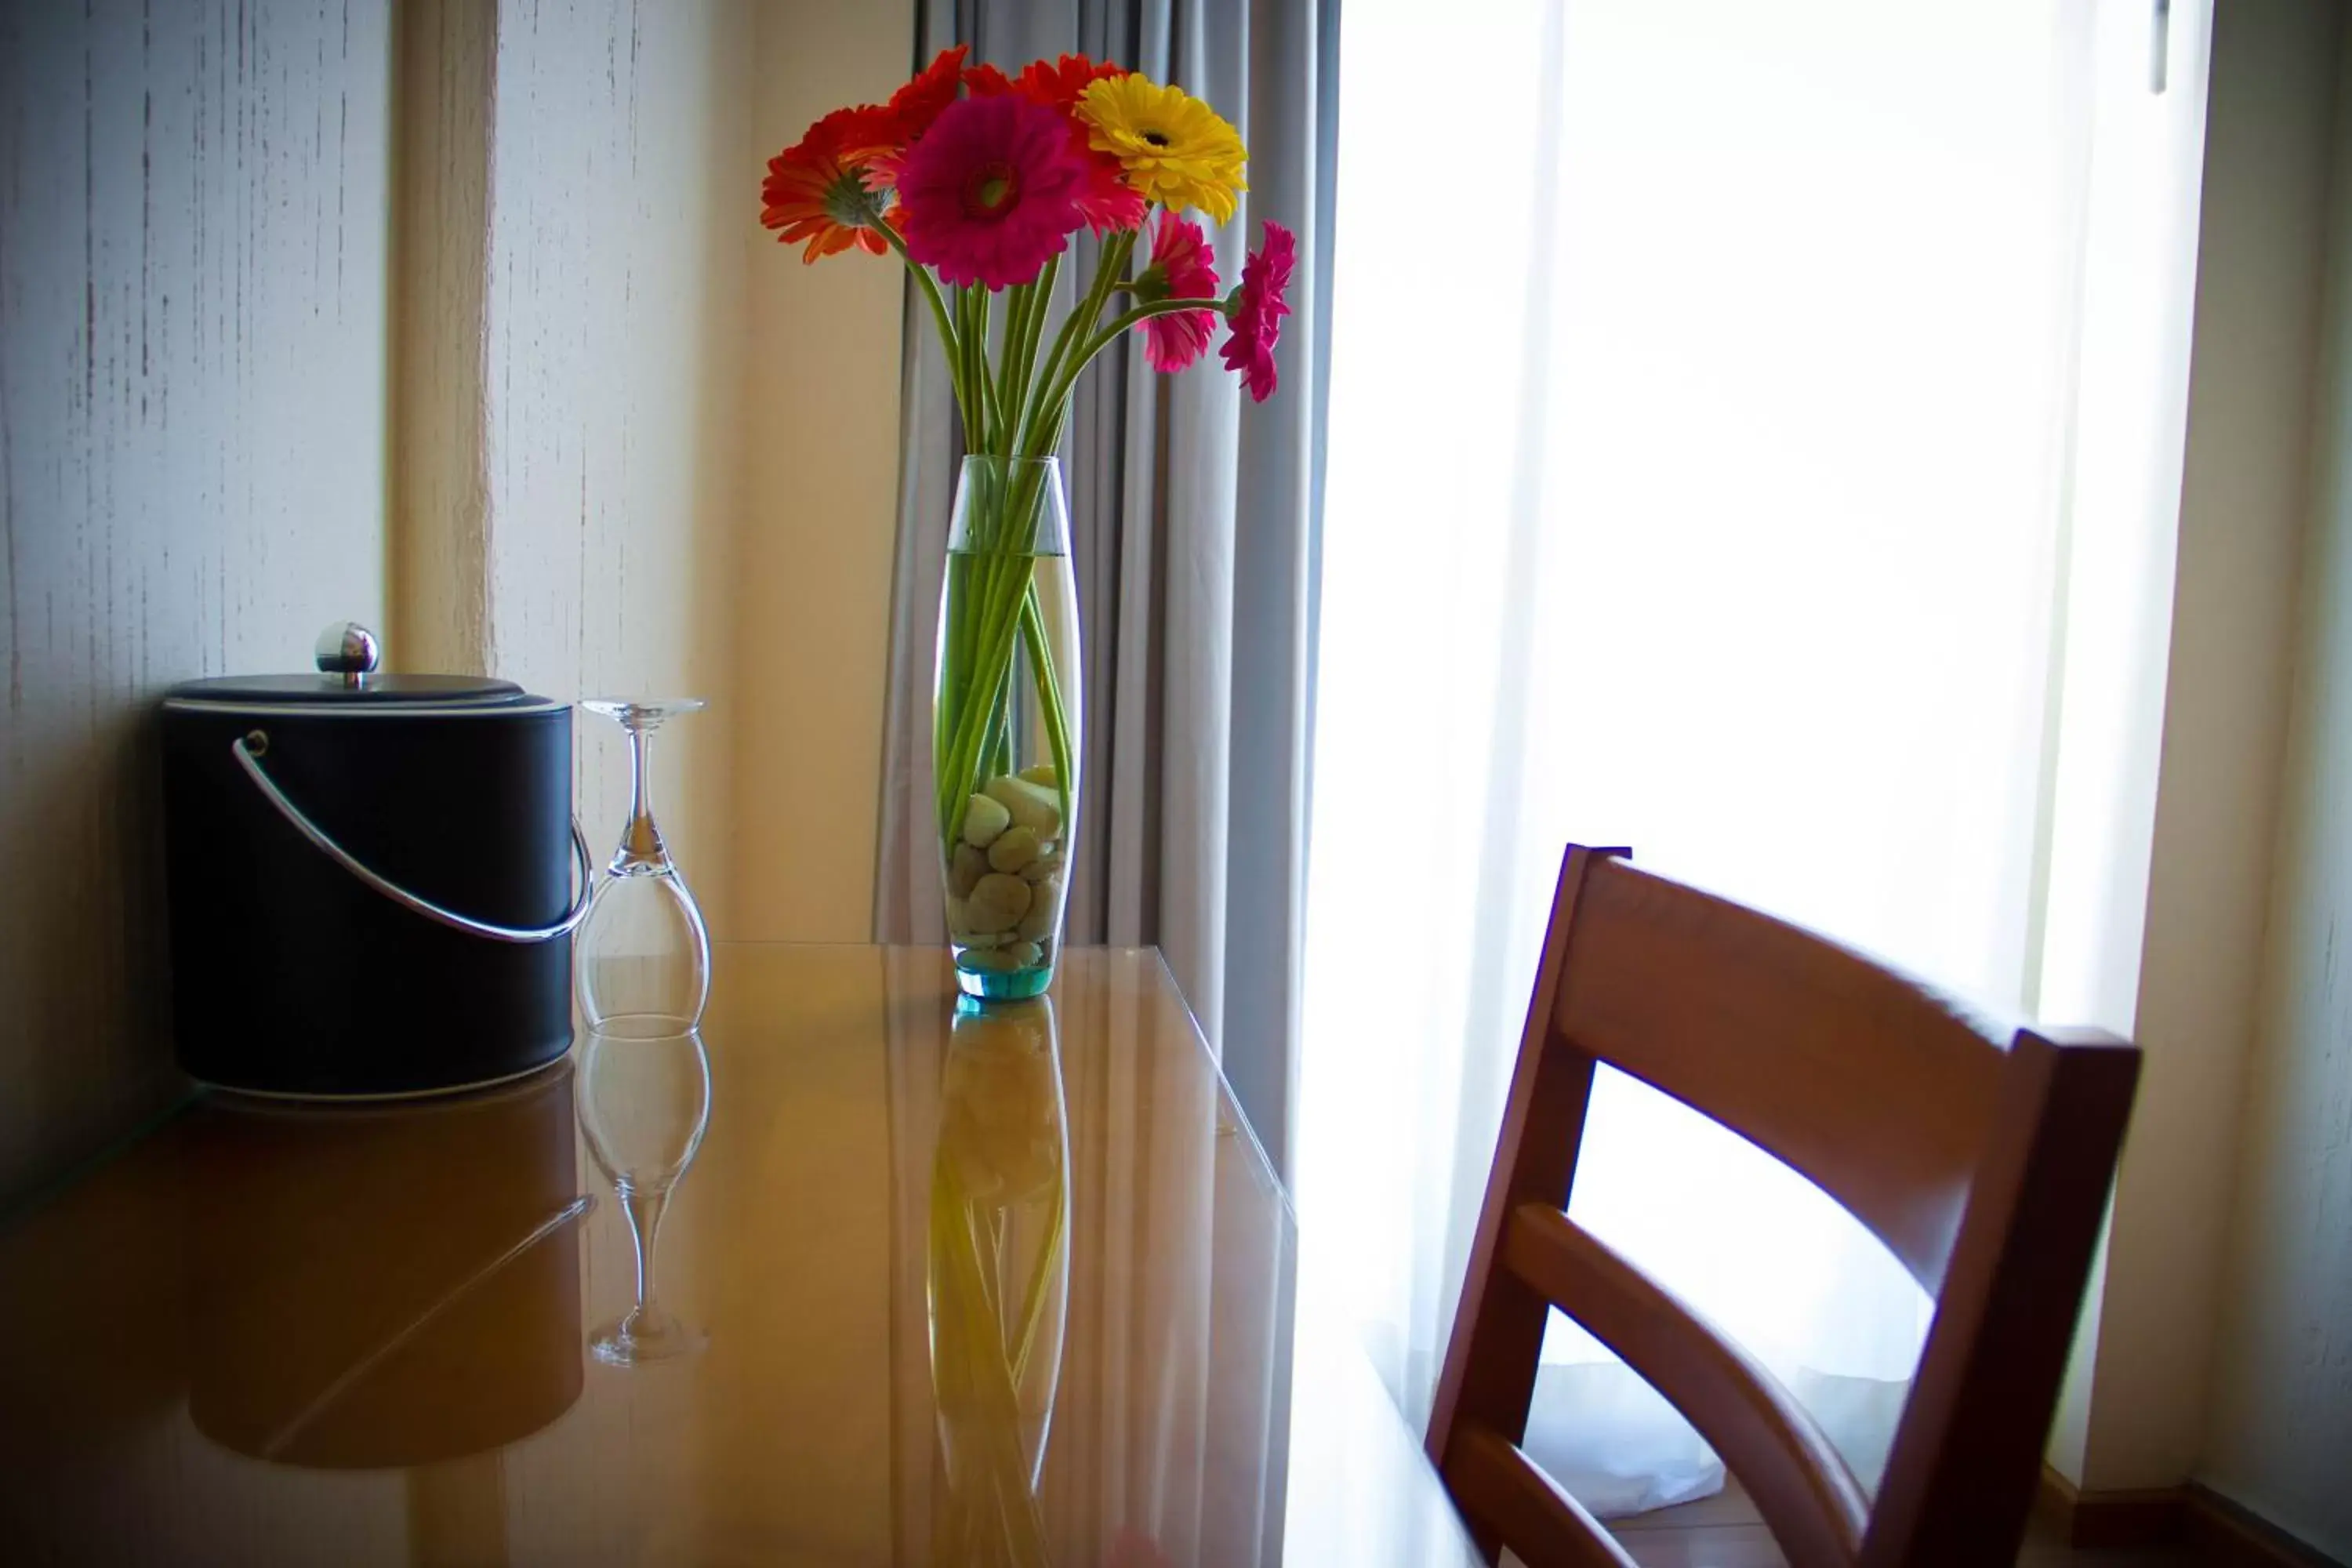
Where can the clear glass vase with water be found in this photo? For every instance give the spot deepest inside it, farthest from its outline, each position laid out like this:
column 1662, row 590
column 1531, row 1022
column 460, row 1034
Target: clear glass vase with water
column 1005, row 718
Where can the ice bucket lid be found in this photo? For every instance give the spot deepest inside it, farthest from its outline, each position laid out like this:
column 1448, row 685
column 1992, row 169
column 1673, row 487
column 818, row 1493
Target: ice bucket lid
column 348, row 654
column 381, row 690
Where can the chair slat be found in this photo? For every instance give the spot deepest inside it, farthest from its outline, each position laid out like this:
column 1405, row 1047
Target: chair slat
column 1876, row 1089
column 1499, row 1325
column 1961, row 1474
column 1800, row 1482
column 1497, row 1487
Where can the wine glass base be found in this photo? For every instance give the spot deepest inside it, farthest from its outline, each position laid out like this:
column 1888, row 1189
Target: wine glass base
column 645, row 714
column 634, row 1341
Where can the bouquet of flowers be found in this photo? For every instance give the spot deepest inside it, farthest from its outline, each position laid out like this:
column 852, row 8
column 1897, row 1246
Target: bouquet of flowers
column 978, row 181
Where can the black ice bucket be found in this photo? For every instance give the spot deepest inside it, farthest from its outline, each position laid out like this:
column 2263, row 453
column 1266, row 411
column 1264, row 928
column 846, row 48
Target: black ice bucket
column 373, row 879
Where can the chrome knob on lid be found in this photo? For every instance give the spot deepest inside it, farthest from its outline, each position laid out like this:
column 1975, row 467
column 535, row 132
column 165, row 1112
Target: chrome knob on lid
column 349, row 649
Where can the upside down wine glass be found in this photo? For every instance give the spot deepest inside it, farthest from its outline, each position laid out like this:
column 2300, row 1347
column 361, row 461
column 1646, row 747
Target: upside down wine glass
column 643, row 960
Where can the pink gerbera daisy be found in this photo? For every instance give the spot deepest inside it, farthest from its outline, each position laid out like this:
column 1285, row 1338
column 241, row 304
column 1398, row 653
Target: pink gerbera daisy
column 1182, row 268
column 1258, row 308
column 991, row 190
column 1106, row 200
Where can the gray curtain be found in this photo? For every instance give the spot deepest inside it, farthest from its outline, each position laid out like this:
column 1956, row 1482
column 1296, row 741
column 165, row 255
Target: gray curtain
column 1197, row 520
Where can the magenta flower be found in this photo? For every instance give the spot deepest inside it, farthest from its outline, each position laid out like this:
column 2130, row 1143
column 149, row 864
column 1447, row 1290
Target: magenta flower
column 1182, row 268
column 1258, row 308
column 991, row 190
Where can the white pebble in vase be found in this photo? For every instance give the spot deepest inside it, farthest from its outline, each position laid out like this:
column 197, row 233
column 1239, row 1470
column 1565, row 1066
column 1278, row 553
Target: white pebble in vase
column 984, row 819
column 1014, row 847
column 1044, row 905
column 997, row 903
column 1033, row 806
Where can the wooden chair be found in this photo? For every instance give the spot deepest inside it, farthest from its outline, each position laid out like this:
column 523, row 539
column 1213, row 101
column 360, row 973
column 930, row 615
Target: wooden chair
column 1983, row 1164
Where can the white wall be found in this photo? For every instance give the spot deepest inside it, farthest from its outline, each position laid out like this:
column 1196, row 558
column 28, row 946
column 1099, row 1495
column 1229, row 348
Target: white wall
column 653, row 454
column 820, row 410
column 567, row 337
column 2268, row 131
column 2281, row 1433
column 616, row 313
column 192, row 416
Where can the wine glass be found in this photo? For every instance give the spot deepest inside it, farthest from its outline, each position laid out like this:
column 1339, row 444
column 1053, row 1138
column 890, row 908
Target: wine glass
column 643, row 959
column 644, row 1100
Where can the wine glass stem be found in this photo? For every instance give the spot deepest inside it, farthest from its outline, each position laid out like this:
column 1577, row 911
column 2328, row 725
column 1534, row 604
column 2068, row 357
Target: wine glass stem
column 641, row 841
column 645, row 1211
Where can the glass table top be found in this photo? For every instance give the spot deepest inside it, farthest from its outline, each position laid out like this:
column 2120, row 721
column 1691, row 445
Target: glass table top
column 920, row 1287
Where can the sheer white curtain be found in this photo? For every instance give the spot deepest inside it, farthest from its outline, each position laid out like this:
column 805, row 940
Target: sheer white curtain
column 1713, row 471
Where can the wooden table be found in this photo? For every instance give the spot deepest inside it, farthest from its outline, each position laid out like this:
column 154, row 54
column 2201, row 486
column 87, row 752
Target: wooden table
column 270, row 1334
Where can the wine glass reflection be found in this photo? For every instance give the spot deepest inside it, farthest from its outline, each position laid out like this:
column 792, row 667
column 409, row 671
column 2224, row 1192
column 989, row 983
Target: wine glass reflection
column 999, row 1274
column 643, row 1103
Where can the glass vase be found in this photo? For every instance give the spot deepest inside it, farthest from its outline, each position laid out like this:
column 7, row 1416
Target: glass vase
column 1005, row 710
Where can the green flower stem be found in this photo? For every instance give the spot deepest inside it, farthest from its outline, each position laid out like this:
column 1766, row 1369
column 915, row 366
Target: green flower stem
column 972, row 324
column 1044, row 308
column 1008, row 353
column 975, row 415
column 931, row 288
column 1049, row 696
column 991, row 614
column 993, row 607
column 999, row 611
column 1113, row 262
column 1021, row 352
column 989, row 619
column 1133, row 319
column 993, row 413
column 960, row 308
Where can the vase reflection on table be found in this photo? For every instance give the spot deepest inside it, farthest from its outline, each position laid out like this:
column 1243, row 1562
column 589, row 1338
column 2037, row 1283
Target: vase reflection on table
column 999, row 1271
column 645, row 1101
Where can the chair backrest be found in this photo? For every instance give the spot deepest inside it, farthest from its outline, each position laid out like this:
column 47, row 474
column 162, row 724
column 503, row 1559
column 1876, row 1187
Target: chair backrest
column 1983, row 1161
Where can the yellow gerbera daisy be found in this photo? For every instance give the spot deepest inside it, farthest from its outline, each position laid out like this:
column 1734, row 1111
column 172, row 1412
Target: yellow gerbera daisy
column 1176, row 150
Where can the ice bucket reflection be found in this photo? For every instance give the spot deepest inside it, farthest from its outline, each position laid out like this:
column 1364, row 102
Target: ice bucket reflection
column 390, row 1285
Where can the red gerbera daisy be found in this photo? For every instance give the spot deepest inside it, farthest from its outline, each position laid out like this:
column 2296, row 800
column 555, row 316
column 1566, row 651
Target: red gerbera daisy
column 1106, row 200
column 1182, row 268
column 1258, row 309
column 1058, row 84
column 914, row 106
column 991, row 190
column 986, row 81
column 815, row 189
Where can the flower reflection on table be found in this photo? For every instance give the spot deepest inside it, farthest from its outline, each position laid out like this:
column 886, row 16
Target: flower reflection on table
column 999, row 1274
column 644, row 1099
